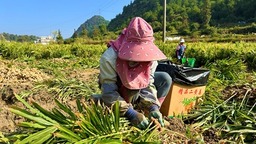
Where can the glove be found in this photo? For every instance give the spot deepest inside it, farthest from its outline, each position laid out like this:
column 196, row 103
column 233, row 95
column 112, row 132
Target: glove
column 155, row 113
column 143, row 124
column 137, row 119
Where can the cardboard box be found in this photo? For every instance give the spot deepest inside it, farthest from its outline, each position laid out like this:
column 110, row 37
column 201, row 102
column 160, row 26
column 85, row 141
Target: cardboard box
column 181, row 99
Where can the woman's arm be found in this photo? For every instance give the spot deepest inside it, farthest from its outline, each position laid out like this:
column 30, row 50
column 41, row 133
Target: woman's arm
column 108, row 79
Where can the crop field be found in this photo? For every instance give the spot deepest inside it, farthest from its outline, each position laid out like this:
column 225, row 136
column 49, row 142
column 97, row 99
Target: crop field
column 46, row 89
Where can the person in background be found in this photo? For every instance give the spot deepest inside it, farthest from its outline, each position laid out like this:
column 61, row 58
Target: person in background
column 180, row 50
column 127, row 74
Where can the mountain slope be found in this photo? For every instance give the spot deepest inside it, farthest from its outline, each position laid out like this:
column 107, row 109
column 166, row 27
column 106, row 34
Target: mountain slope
column 90, row 24
column 188, row 16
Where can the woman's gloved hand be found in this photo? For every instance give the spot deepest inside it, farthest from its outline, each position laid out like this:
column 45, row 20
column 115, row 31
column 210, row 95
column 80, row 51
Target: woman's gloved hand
column 137, row 119
column 155, row 113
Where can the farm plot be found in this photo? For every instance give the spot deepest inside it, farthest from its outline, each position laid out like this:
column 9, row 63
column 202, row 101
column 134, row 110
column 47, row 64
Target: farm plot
column 227, row 113
column 19, row 78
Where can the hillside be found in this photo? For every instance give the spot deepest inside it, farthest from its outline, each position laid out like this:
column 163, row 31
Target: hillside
column 188, row 17
column 86, row 28
column 215, row 20
column 18, row 38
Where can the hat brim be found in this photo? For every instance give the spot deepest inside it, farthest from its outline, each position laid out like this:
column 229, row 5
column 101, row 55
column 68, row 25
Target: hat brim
column 140, row 52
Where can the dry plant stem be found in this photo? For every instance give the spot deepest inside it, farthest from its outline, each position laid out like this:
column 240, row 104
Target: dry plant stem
column 244, row 98
column 176, row 133
column 251, row 108
column 219, row 105
column 157, row 124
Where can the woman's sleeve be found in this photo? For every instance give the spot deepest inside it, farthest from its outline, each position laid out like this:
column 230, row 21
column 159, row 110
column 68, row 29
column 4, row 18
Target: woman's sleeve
column 108, row 79
column 149, row 94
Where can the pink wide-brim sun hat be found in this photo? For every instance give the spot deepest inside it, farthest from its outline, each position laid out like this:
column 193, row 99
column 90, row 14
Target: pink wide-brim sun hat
column 138, row 44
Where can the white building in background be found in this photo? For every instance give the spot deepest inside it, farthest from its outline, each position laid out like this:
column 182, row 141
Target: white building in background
column 45, row 40
column 177, row 38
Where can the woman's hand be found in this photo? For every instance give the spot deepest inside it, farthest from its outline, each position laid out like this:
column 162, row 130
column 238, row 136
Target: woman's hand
column 157, row 115
column 137, row 119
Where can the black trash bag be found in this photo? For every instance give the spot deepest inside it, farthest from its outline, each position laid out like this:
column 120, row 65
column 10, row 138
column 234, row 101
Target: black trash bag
column 184, row 75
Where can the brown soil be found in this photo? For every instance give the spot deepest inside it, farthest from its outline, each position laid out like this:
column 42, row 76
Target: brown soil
column 16, row 78
column 240, row 91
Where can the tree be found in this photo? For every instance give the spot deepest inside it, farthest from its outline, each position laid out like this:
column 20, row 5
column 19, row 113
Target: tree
column 103, row 29
column 2, row 37
column 96, row 32
column 84, row 33
column 59, row 38
column 54, row 33
column 74, row 34
column 206, row 13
